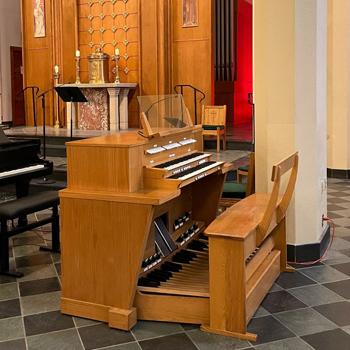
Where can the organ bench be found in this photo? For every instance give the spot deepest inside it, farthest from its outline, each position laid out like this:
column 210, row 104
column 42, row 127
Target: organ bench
column 136, row 218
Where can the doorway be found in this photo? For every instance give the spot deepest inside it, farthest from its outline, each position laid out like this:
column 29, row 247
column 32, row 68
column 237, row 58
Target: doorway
column 18, row 109
column 233, row 67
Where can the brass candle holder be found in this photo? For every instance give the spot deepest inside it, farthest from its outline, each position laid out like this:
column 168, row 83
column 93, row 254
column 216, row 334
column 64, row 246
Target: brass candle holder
column 116, row 58
column 56, row 78
column 77, row 70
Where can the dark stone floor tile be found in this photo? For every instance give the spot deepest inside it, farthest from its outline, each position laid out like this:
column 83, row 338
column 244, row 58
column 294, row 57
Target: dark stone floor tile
column 339, row 313
column 58, row 268
column 63, row 340
column 344, row 268
column 47, row 322
column 170, row 342
column 10, row 308
column 99, row 336
column 342, row 288
column 7, row 279
column 268, row 329
column 33, row 260
column 18, row 344
column 346, row 251
column 46, row 285
column 333, row 207
column 17, row 241
column 346, row 238
column 189, row 326
column 335, row 339
column 340, row 193
column 334, row 215
column 293, row 280
column 281, row 301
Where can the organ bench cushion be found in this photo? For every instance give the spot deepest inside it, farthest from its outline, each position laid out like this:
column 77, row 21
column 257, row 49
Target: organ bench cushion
column 27, row 205
column 234, row 190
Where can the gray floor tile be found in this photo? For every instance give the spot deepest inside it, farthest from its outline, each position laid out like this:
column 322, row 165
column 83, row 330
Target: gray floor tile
column 268, row 329
column 18, row 344
column 8, row 291
column 336, row 257
column 315, row 295
column 340, row 243
column 293, row 280
column 24, row 250
column 323, row 274
column 287, row 344
column 146, row 330
column 275, row 288
column 335, row 339
column 47, row 322
column 62, row 340
column 11, row 328
column 35, row 304
column 46, row 285
column 37, row 272
column 261, row 312
column 341, row 287
column 339, row 313
column 305, row 321
column 346, row 329
column 206, row 341
column 101, row 335
column 37, row 259
column 170, row 342
column 128, row 346
column 82, row 322
column 281, row 301
column 10, row 308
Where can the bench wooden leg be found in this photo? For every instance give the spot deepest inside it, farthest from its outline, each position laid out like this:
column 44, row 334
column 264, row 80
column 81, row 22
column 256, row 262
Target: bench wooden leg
column 4, row 253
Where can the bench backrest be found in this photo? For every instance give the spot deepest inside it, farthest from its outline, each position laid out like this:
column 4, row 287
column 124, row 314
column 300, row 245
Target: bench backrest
column 278, row 203
column 214, row 115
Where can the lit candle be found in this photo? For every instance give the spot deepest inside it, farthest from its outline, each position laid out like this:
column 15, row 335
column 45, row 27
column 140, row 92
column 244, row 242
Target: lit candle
column 117, row 52
column 56, row 69
column 77, row 53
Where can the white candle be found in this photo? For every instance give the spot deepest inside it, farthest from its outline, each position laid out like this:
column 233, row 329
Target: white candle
column 117, row 52
column 56, row 69
column 77, row 53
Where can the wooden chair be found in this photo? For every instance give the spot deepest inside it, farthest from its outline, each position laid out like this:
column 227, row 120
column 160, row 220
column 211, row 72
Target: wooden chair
column 214, row 123
column 235, row 191
column 247, row 252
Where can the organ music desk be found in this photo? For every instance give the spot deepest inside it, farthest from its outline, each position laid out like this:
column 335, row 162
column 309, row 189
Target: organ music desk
column 132, row 225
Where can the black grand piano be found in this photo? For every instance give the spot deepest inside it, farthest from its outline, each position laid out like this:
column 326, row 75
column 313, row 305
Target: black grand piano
column 20, row 162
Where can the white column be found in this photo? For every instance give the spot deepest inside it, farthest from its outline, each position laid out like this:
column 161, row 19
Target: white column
column 113, row 109
column 290, row 86
column 124, row 109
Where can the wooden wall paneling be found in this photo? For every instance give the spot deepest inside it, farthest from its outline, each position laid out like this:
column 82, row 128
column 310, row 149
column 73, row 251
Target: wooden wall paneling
column 66, row 37
column 37, row 54
column 192, row 51
column 155, row 53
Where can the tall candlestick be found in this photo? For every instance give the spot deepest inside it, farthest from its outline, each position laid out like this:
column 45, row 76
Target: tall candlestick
column 116, row 58
column 77, row 69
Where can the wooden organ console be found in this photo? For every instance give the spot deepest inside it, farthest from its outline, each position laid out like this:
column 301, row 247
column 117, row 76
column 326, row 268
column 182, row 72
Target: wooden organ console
column 133, row 223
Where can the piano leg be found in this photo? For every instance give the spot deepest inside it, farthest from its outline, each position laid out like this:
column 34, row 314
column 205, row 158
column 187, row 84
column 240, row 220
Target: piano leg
column 4, row 253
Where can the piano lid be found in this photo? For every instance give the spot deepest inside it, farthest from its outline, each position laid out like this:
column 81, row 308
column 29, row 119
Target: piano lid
column 3, row 138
